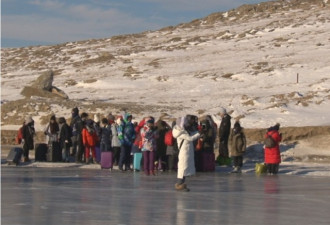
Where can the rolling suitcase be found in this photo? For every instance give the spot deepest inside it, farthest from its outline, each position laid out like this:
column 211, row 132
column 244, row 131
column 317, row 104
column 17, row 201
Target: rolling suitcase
column 106, row 160
column 54, row 153
column 14, row 156
column 137, row 161
column 40, row 152
column 208, row 162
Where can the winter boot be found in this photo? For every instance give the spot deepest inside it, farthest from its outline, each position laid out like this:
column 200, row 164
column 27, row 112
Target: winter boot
column 26, row 159
column 236, row 169
column 181, row 187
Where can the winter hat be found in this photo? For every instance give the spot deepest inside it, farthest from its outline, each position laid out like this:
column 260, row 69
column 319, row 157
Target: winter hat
column 105, row 121
column 53, row 117
column 237, row 127
column 75, row 111
column 237, row 124
column 111, row 117
column 89, row 122
column 151, row 120
column 277, row 126
column 84, row 115
column 118, row 121
column 96, row 118
column 128, row 116
column 61, row 120
column 222, row 111
column 28, row 120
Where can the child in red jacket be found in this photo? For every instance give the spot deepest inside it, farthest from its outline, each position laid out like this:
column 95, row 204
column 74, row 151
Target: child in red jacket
column 272, row 154
column 90, row 139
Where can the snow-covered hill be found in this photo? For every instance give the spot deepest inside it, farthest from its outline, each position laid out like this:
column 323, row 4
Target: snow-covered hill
column 247, row 60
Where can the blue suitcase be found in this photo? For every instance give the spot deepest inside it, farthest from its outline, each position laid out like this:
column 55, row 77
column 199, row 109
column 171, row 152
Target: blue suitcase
column 137, row 161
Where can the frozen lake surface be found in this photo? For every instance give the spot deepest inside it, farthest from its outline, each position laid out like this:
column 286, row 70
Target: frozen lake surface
column 43, row 196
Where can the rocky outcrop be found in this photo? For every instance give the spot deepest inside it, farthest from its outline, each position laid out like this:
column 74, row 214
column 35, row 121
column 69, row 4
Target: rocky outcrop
column 44, row 81
column 43, row 87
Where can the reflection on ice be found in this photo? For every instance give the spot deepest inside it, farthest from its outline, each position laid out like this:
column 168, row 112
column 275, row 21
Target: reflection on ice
column 69, row 196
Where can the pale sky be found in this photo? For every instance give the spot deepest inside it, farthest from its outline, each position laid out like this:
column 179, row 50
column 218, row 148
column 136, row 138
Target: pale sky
column 48, row 22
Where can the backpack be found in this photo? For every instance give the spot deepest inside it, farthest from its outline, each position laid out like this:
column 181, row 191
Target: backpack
column 269, row 142
column 19, row 136
column 169, row 139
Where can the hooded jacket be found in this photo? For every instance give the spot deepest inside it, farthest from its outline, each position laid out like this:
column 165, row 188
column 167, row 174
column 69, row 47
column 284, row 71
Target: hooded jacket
column 273, row 155
column 186, row 164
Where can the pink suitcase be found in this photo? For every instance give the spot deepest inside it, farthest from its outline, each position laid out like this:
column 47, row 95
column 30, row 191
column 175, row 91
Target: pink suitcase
column 106, row 160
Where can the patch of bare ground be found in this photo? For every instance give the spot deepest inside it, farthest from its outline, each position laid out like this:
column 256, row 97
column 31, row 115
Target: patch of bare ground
column 14, row 112
column 289, row 134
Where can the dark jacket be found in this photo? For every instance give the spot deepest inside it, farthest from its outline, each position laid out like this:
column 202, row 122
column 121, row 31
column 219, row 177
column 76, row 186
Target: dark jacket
column 208, row 136
column 162, row 128
column 224, row 129
column 105, row 134
column 65, row 135
column 77, row 125
column 28, row 134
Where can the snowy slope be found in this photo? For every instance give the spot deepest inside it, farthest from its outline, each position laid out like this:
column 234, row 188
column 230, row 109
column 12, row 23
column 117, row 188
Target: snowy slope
column 245, row 60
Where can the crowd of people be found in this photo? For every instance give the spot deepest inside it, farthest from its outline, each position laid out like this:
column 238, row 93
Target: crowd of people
column 192, row 139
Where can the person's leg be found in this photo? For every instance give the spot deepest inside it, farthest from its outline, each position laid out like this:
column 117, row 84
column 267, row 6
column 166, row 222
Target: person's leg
column 151, row 163
column 67, row 150
column 180, row 185
column 87, row 150
column 80, row 152
column 181, row 181
column 121, row 158
column 128, row 157
column 269, row 168
column 63, row 150
column 25, row 152
column 74, row 146
column 93, row 154
column 276, row 167
column 117, row 155
column 146, row 162
column 170, row 160
column 240, row 161
column 235, row 161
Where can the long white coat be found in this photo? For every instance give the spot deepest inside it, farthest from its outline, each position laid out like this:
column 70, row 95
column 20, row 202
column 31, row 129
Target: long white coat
column 186, row 164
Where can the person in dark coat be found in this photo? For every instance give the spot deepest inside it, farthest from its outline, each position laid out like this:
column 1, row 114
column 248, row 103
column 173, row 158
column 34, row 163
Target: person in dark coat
column 224, row 132
column 65, row 139
column 161, row 159
column 207, row 138
column 77, row 125
column 28, row 133
column 273, row 155
column 75, row 120
column 105, row 136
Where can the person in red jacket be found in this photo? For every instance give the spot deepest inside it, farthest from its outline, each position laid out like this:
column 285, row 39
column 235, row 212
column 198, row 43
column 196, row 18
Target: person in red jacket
column 90, row 139
column 272, row 155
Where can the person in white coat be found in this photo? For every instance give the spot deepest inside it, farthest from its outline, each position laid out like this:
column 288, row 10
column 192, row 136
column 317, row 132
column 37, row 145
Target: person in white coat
column 185, row 133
